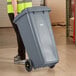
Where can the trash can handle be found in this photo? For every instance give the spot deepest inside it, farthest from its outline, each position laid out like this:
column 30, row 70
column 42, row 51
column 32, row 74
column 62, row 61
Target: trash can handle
column 33, row 12
column 43, row 12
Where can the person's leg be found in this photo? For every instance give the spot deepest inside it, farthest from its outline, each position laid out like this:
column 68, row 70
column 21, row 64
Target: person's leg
column 21, row 48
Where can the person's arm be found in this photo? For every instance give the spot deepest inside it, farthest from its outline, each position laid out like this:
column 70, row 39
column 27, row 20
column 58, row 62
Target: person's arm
column 14, row 3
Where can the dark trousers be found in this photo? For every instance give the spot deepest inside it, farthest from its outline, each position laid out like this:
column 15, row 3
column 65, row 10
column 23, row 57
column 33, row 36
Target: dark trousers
column 21, row 48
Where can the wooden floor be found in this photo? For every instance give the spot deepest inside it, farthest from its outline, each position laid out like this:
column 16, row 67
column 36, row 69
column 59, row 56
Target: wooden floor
column 66, row 51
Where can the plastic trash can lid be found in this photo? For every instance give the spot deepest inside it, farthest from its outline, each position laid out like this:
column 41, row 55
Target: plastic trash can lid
column 38, row 9
column 32, row 9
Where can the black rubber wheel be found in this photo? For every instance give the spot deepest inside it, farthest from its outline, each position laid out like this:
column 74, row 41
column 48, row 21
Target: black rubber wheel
column 52, row 66
column 28, row 65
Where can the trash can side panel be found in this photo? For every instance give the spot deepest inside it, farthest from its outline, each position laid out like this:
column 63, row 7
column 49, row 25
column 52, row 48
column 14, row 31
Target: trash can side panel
column 40, row 25
column 28, row 38
column 52, row 36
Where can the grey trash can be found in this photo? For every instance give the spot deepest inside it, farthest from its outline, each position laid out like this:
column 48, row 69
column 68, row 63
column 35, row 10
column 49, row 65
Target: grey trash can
column 36, row 32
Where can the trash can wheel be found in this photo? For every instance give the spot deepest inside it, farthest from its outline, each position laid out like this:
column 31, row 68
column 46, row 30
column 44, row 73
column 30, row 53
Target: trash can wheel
column 52, row 66
column 28, row 65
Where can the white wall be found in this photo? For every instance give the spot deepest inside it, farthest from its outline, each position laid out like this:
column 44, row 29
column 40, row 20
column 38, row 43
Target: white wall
column 58, row 10
column 36, row 2
column 4, row 20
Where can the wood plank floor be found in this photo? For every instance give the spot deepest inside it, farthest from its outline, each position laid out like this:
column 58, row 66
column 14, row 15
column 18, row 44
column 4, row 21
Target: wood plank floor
column 66, row 50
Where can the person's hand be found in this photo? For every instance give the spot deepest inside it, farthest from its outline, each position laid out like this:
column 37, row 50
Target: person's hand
column 15, row 13
column 14, row 4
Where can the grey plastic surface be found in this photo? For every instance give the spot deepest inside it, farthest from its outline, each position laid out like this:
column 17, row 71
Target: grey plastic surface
column 36, row 32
